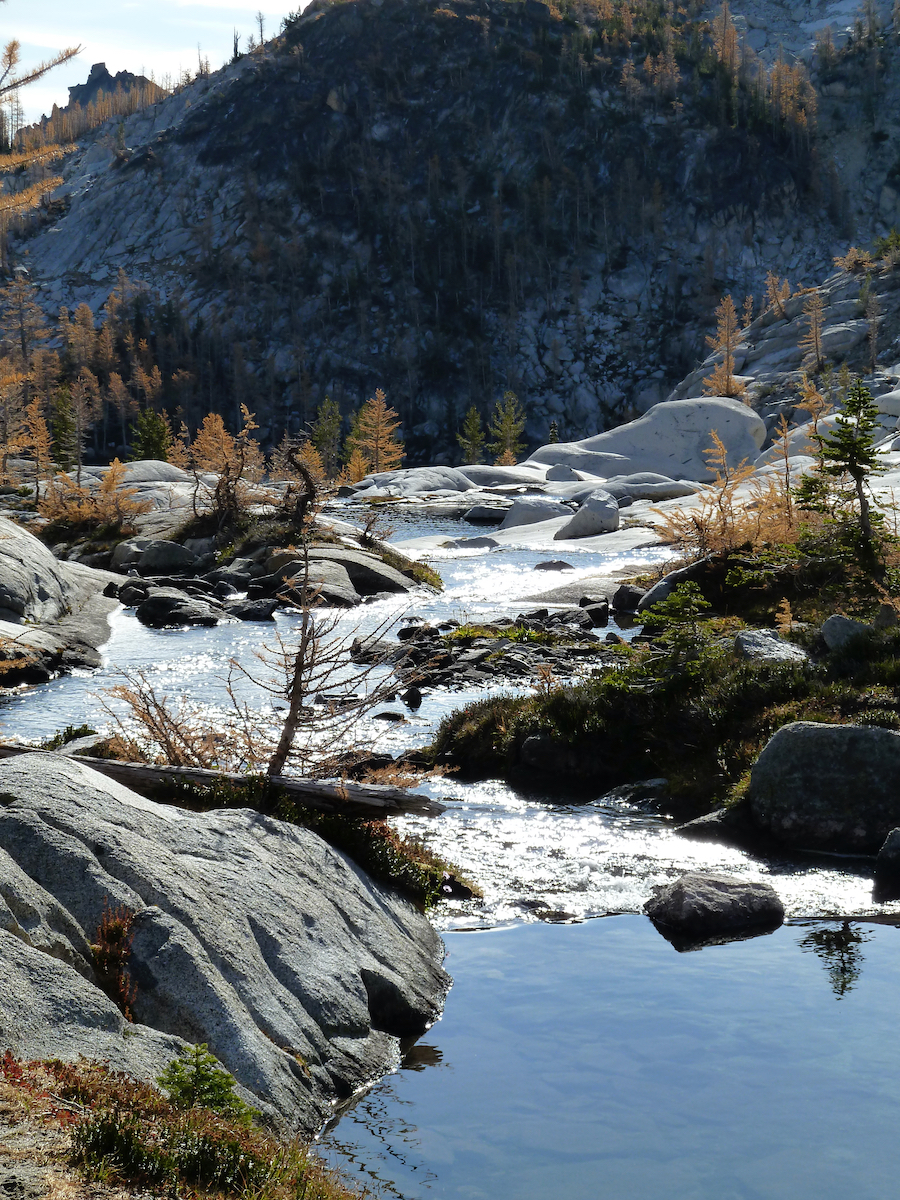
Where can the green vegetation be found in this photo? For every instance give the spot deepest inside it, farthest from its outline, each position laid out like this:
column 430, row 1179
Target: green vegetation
column 195, row 1080
column 128, row 1133
column 687, row 708
column 62, row 737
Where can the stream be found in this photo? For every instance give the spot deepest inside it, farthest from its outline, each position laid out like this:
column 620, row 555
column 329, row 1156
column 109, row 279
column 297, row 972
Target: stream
column 583, row 1057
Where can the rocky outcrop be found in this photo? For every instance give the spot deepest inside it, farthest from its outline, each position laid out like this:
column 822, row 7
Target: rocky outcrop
column 52, row 614
column 767, row 645
column 699, row 905
column 671, row 439
column 827, row 787
column 254, row 936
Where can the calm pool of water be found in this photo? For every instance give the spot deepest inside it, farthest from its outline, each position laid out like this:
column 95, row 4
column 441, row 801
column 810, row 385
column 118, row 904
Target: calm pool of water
column 594, row 1062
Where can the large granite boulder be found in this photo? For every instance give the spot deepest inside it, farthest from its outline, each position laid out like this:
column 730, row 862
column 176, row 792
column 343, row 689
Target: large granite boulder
column 531, row 511
column 598, row 514
column 165, row 557
column 34, row 585
column 169, row 608
column 413, row 481
column 299, row 971
column 699, row 905
column 828, row 787
column 672, row 439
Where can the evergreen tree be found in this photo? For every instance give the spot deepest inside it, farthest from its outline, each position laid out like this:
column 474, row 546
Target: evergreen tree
column 554, row 434
column 62, row 426
column 507, row 426
column 325, row 435
column 375, row 434
column 472, row 437
column 848, row 450
column 152, row 437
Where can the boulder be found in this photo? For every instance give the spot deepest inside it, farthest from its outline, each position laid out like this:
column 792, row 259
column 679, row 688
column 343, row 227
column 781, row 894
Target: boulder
column 127, row 554
column 887, row 868
column 413, row 481
column 698, row 905
column 251, row 610
column 483, row 476
column 531, row 511
column 331, row 581
column 667, row 585
column 167, row 608
column 560, row 473
column 647, row 485
column 485, row 514
column 34, row 585
column 838, row 630
column 163, row 557
column 366, row 572
column 672, row 439
column 627, row 598
column 828, row 787
column 598, row 514
column 767, row 645
column 300, row 972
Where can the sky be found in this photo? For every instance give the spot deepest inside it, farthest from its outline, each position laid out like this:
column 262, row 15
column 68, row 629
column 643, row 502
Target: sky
column 143, row 36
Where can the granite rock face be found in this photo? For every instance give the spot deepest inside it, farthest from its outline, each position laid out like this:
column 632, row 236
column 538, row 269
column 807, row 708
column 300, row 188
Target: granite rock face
column 252, row 935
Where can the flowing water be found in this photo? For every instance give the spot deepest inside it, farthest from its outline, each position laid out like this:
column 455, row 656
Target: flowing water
column 581, row 1057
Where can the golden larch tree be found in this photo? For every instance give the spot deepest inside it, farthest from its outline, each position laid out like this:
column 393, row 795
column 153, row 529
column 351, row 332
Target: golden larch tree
column 375, row 434
column 722, row 381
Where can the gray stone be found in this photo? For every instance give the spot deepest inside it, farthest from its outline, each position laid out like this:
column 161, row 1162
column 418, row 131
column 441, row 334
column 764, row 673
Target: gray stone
column 127, row 554
column 838, row 630
column 767, row 645
column 367, row 573
column 828, row 787
column 532, row 511
column 887, row 867
column 485, row 514
column 672, row 440
column 598, row 514
column 163, row 557
column 647, row 485
column 167, row 607
column 413, row 481
column 330, row 581
column 699, row 904
column 627, row 598
column 254, row 936
column 251, row 610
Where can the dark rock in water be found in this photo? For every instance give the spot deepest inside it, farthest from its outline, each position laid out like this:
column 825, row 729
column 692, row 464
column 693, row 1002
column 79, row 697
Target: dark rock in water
column 485, row 514
column 645, row 793
column 223, row 590
column 388, row 716
column 699, row 905
column 555, row 564
column 412, row 698
column 828, row 787
column 168, row 607
column 887, row 869
column 133, row 593
column 626, row 598
column 252, row 610
column 452, row 889
column 587, row 601
column 598, row 613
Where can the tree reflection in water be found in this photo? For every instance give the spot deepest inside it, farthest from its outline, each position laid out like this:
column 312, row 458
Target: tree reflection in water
column 839, row 949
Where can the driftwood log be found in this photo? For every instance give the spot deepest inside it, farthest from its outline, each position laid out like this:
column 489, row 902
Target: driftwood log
column 372, row 801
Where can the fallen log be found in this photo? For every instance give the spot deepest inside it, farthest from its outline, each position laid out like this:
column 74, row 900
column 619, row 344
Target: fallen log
column 344, row 799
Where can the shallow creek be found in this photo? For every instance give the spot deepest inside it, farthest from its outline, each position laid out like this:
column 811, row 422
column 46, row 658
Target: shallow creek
column 579, row 1057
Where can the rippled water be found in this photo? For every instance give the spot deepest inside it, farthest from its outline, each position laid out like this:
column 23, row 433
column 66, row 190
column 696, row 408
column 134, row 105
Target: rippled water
column 593, row 1062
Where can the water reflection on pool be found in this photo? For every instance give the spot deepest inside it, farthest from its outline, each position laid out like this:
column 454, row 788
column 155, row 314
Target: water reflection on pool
column 594, row 1062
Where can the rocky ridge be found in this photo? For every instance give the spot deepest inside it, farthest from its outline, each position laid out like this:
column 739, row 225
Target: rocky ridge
column 289, row 198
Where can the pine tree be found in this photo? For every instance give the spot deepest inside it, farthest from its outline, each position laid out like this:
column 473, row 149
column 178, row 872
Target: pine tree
column 471, row 439
column 375, row 434
column 152, row 437
column 848, row 450
column 507, row 427
column 62, row 425
column 325, row 435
